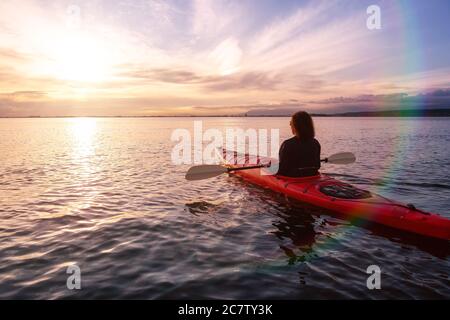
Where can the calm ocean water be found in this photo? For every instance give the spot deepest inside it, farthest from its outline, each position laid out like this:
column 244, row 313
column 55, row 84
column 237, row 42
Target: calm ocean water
column 103, row 194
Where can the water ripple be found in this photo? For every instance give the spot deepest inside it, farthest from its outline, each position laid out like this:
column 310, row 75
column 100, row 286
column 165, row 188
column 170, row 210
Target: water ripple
column 109, row 200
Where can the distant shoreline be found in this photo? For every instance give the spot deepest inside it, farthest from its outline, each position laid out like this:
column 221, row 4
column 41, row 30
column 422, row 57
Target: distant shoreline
column 433, row 113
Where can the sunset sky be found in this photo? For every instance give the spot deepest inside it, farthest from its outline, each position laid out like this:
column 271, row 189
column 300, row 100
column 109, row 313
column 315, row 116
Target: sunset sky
column 156, row 57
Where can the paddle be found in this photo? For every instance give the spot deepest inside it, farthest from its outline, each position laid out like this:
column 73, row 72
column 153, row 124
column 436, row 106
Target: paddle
column 207, row 171
column 340, row 158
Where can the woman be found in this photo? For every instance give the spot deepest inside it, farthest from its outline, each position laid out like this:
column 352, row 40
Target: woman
column 300, row 155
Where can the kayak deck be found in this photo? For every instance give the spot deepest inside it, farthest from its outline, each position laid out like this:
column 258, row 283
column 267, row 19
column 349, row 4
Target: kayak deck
column 324, row 191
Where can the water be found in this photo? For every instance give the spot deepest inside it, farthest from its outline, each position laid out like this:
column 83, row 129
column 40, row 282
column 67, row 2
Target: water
column 102, row 193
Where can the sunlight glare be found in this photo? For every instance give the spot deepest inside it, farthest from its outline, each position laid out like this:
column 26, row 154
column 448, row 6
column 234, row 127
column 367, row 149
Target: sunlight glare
column 81, row 58
column 83, row 131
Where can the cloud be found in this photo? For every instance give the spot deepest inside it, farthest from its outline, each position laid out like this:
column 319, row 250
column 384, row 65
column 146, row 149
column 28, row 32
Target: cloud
column 227, row 55
column 310, row 41
column 212, row 18
column 284, row 29
column 435, row 95
column 14, row 104
column 140, row 55
column 281, row 108
column 438, row 93
column 164, row 75
column 244, row 81
column 436, row 99
column 29, row 95
column 7, row 54
column 363, row 98
column 234, row 82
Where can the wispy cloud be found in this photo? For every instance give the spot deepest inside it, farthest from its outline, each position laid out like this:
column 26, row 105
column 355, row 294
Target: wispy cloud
column 234, row 82
column 25, row 95
column 212, row 19
column 170, row 56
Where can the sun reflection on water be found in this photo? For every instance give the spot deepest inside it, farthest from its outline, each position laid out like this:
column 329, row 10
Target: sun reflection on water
column 82, row 131
column 84, row 166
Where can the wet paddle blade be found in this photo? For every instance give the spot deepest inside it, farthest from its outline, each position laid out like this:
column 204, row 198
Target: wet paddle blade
column 204, row 172
column 342, row 158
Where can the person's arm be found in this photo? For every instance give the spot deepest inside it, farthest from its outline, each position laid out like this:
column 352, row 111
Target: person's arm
column 283, row 157
column 317, row 156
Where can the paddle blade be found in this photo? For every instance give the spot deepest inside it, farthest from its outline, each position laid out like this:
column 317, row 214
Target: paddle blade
column 205, row 172
column 342, row 158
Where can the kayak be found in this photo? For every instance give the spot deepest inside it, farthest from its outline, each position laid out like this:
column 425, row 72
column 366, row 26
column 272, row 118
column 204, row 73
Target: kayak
column 341, row 197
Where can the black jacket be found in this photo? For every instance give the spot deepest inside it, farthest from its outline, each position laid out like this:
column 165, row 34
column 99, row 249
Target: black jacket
column 299, row 158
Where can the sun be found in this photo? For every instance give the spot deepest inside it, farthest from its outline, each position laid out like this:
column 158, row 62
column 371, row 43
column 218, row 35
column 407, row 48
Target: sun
column 81, row 58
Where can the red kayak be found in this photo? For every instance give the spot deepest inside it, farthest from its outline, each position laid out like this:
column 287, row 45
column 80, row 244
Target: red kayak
column 343, row 198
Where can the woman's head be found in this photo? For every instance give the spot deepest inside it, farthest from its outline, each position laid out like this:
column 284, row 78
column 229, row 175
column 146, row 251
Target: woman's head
column 302, row 125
